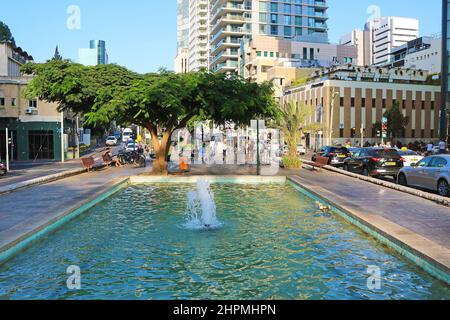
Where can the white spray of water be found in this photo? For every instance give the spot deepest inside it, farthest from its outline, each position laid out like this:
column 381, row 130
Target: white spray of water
column 201, row 208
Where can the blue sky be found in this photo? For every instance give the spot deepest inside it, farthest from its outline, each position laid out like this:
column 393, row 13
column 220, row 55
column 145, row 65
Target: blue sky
column 141, row 34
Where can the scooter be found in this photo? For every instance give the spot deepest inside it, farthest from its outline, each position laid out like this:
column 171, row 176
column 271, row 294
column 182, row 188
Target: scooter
column 2, row 169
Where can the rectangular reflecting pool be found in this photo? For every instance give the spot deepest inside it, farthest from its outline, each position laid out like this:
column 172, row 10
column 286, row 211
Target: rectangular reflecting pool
column 273, row 242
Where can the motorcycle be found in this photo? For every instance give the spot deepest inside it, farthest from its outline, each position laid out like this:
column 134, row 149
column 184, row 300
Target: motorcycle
column 2, row 169
column 132, row 158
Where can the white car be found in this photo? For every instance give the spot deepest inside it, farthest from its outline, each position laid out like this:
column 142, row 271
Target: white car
column 111, row 141
column 410, row 157
column 301, row 150
column 131, row 147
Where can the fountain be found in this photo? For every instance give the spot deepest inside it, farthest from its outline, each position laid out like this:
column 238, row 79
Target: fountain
column 201, row 208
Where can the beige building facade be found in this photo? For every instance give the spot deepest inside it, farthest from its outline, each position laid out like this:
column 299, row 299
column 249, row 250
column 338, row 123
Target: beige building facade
column 348, row 102
column 33, row 125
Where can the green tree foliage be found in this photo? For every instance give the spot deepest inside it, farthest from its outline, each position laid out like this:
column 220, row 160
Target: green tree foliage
column 161, row 102
column 397, row 122
column 291, row 122
column 5, row 33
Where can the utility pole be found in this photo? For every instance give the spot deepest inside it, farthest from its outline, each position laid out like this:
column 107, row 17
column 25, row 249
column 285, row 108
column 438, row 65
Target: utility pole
column 443, row 121
column 78, row 138
column 7, row 150
column 258, row 157
column 12, row 145
column 62, row 137
column 334, row 94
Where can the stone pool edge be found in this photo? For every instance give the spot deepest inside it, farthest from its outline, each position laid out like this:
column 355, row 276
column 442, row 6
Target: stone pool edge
column 428, row 255
column 27, row 240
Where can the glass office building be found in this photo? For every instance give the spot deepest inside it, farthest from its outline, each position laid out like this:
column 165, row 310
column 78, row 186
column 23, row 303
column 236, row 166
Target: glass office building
column 94, row 55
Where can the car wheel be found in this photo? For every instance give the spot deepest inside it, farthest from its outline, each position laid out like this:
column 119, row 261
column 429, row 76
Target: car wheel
column 346, row 167
column 402, row 180
column 2, row 172
column 443, row 188
column 365, row 172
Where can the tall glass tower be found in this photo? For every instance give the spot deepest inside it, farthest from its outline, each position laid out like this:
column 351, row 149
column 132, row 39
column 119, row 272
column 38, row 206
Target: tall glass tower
column 94, row 55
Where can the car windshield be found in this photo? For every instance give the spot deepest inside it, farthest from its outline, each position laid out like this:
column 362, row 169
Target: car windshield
column 111, row 138
column 338, row 150
column 408, row 153
column 382, row 153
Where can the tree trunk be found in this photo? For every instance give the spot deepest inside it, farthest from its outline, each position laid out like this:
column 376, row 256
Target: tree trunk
column 161, row 152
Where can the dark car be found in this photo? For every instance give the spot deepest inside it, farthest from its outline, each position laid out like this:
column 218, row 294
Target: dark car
column 375, row 162
column 337, row 155
column 2, row 169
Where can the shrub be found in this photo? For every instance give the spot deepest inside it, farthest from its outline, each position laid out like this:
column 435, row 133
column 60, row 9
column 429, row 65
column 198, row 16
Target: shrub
column 292, row 162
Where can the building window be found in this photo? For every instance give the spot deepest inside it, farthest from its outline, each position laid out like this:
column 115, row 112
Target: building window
column 384, row 104
column 341, row 132
column 423, row 105
column 287, row 32
column 341, row 102
column 414, row 105
column 13, row 102
column 432, row 134
column 432, row 105
column 32, row 103
column 363, row 102
column 352, row 102
column 374, row 102
column 2, row 101
column 413, row 133
column 422, row 134
column 258, row 53
column 404, row 104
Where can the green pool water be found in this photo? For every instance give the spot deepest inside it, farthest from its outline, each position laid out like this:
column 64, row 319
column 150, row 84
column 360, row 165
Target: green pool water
column 273, row 243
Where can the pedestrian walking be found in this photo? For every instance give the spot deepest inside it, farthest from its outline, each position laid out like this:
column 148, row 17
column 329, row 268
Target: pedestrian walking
column 442, row 147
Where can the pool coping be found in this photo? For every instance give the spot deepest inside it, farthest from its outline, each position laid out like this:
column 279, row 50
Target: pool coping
column 428, row 255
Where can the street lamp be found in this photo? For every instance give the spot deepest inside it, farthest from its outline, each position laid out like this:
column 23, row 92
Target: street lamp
column 334, row 95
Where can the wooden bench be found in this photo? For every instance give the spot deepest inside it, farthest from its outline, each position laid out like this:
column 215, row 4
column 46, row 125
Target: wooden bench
column 88, row 163
column 321, row 162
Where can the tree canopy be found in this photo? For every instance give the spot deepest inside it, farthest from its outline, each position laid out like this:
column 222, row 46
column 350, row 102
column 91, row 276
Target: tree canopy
column 5, row 33
column 162, row 101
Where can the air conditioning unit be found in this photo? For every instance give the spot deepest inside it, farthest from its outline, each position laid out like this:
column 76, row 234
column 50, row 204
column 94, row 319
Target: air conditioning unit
column 30, row 111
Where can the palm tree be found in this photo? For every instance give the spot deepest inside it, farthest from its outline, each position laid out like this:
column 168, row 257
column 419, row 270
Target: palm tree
column 291, row 122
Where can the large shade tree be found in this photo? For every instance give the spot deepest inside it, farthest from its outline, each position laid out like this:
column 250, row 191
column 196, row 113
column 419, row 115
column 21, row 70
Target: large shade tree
column 160, row 102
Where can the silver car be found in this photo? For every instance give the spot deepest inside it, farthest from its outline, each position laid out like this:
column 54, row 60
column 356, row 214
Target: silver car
column 431, row 173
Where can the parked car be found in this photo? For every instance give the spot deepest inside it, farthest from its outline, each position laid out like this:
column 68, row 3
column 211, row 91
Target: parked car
column 131, row 146
column 111, row 141
column 375, row 162
column 2, row 169
column 337, row 155
column 301, row 150
column 431, row 173
column 410, row 157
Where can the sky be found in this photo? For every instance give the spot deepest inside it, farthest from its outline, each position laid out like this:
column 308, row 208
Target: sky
column 141, row 34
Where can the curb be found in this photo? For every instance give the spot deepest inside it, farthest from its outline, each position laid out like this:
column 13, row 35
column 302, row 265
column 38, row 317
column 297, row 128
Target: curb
column 415, row 192
column 40, row 180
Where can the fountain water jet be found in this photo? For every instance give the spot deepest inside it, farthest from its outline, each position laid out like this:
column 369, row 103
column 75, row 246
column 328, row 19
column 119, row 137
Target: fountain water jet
column 201, row 208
